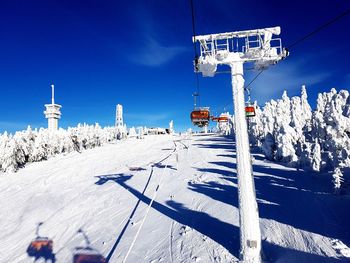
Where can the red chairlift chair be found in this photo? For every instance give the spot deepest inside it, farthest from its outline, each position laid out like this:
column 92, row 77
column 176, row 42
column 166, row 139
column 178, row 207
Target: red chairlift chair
column 249, row 111
column 200, row 117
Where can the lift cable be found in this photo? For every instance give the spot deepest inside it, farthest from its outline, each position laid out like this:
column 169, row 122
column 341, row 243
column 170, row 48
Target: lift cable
column 347, row 12
column 193, row 29
column 195, row 52
column 251, row 82
column 317, row 30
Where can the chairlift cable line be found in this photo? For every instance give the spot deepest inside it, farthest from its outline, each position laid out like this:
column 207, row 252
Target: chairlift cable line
column 195, row 48
column 193, row 28
column 315, row 31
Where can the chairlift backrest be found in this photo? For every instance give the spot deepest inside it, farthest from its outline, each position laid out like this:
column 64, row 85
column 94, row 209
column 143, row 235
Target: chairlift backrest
column 201, row 114
column 250, row 111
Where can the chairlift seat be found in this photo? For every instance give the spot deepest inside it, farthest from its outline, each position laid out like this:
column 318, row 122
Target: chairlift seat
column 250, row 111
column 40, row 245
column 223, row 119
column 200, row 117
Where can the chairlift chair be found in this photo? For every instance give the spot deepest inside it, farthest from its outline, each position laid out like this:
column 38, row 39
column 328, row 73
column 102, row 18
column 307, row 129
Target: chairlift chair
column 40, row 246
column 87, row 255
column 249, row 111
column 223, row 119
column 200, row 116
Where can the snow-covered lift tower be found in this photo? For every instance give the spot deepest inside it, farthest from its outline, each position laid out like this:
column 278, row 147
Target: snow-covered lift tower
column 53, row 112
column 119, row 116
column 234, row 49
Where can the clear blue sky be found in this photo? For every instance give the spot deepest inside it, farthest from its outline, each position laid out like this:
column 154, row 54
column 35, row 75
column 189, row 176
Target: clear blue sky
column 139, row 53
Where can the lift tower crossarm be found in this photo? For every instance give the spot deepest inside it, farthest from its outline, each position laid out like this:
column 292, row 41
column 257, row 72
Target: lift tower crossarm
column 234, row 49
column 255, row 46
column 238, row 34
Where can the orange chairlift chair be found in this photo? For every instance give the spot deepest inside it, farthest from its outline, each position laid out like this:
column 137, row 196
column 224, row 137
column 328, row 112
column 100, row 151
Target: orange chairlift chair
column 200, row 116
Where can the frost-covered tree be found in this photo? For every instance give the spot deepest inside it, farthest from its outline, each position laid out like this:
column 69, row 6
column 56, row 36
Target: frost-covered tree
column 288, row 130
column 337, row 180
column 32, row 146
column 9, row 162
column 132, row 132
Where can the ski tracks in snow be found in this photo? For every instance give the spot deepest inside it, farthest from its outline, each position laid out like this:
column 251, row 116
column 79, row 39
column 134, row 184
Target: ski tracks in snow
column 159, row 184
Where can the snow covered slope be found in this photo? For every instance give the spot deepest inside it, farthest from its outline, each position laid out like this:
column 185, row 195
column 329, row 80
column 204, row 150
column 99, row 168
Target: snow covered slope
column 192, row 184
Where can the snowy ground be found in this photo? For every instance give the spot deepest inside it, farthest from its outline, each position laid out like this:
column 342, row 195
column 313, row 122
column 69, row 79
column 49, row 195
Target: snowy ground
column 106, row 192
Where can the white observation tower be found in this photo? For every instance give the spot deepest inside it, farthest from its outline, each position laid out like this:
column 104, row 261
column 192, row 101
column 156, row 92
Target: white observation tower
column 52, row 112
column 119, row 116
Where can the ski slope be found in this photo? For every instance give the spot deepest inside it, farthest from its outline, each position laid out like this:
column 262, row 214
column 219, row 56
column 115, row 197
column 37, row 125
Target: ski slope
column 169, row 199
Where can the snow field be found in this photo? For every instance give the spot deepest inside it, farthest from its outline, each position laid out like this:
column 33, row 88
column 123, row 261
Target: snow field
column 106, row 192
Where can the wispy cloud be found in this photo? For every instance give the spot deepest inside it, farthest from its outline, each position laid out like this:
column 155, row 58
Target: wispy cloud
column 285, row 76
column 152, row 53
column 147, row 117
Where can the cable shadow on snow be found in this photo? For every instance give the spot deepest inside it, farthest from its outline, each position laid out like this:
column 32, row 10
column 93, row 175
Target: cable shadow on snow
column 223, row 233
column 219, row 138
column 221, row 146
column 288, row 196
column 106, row 178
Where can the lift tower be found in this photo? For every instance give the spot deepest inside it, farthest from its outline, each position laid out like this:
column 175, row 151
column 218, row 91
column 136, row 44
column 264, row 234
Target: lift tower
column 52, row 112
column 234, row 49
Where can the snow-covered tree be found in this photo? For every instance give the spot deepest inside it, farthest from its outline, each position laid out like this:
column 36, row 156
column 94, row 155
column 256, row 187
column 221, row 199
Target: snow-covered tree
column 132, row 132
column 288, row 130
column 32, row 146
column 337, row 180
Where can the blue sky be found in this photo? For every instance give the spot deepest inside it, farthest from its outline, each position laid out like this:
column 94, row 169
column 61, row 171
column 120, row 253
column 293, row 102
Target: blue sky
column 139, row 54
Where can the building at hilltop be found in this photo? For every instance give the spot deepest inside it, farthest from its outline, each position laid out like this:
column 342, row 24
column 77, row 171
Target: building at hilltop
column 119, row 116
column 52, row 112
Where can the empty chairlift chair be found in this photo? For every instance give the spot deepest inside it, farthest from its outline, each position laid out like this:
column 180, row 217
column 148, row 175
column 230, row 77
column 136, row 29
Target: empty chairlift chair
column 87, row 255
column 40, row 246
column 249, row 111
column 200, row 116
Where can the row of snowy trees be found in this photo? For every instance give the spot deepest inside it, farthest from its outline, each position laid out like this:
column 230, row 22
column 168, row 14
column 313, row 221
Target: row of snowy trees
column 288, row 131
column 37, row 145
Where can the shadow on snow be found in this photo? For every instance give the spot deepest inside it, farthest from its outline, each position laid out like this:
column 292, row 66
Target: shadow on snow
column 292, row 197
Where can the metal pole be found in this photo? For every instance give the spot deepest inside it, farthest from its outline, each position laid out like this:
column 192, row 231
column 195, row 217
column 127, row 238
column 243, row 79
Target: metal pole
column 250, row 237
column 52, row 94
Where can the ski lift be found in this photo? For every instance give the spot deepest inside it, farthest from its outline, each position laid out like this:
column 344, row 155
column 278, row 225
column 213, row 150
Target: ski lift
column 87, row 254
column 200, row 116
column 220, row 119
column 249, row 111
column 223, row 119
column 41, row 247
column 249, row 108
